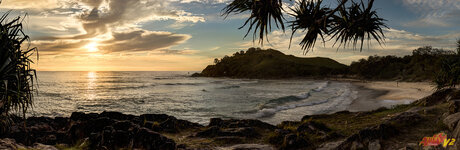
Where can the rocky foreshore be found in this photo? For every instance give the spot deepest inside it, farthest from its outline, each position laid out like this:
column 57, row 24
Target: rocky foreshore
column 400, row 127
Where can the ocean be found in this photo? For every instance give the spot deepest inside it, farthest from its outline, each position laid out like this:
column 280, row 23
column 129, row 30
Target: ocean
column 190, row 98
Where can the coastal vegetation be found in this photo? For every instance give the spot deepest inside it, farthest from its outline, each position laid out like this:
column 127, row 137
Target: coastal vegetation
column 258, row 63
column 16, row 74
column 425, row 64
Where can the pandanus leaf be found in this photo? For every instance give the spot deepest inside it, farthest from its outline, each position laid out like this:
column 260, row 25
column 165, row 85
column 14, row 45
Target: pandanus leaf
column 310, row 16
column 262, row 14
column 16, row 90
column 356, row 24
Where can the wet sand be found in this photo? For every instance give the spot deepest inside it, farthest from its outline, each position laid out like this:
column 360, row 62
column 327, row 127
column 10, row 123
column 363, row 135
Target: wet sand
column 375, row 94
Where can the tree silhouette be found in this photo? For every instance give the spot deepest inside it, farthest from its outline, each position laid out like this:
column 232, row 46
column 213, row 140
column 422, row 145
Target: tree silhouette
column 16, row 74
column 349, row 23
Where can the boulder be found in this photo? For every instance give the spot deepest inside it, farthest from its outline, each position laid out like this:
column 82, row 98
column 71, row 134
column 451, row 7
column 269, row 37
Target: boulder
column 209, row 132
column 235, row 123
column 454, row 106
column 313, row 128
column 456, row 132
column 250, row 147
column 147, row 139
column 116, row 115
column 452, row 120
column 374, row 145
column 437, row 97
column 238, row 132
column 404, row 119
column 386, row 130
column 293, row 141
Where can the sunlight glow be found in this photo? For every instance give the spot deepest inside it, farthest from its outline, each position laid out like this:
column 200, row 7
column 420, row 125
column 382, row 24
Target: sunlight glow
column 92, row 47
column 91, row 83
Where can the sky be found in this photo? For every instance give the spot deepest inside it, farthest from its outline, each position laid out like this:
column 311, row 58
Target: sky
column 186, row 35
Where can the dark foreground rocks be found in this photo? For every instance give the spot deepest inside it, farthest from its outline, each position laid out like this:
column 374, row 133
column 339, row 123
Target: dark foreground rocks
column 107, row 130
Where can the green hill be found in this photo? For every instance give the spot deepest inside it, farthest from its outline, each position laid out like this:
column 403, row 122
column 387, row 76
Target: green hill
column 258, row 63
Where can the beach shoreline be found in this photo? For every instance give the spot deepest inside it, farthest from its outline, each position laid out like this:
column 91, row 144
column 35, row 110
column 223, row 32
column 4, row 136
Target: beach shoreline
column 376, row 94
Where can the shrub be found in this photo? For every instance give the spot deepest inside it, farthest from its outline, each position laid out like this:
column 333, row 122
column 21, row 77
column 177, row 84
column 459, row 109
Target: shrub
column 449, row 74
column 16, row 74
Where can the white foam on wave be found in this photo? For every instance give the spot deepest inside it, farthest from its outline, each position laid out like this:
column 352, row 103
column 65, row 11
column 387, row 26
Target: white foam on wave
column 340, row 101
column 317, row 89
column 321, row 87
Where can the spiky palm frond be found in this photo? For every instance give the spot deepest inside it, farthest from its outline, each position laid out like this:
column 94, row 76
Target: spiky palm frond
column 357, row 23
column 310, row 16
column 263, row 12
column 16, row 74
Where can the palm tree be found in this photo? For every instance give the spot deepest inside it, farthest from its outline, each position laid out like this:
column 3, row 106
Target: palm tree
column 16, row 74
column 349, row 23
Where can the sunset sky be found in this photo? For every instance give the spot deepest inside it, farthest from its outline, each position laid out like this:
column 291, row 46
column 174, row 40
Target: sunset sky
column 186, row 35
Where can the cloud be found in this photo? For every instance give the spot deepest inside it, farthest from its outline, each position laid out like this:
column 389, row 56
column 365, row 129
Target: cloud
column 121, row 13
column 111, row 24
column 439, row 13
column 205, row 1
column 141, row 40
column 29, row 4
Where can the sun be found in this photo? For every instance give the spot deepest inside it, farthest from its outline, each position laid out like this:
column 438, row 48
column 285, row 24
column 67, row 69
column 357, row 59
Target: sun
column 92, row 47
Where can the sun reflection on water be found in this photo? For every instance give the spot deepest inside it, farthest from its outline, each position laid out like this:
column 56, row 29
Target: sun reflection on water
column 92, row 78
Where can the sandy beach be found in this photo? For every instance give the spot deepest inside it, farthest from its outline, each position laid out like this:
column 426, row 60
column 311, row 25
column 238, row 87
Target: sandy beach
column 377, row 94
column 400, row 90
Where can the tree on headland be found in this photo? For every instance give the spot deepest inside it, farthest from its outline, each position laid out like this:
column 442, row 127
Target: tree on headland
column 350, row 23
column 16, row 74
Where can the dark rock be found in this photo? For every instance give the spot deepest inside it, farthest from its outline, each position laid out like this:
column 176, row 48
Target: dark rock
column 183, row 124
column 451, row 120
column 241, row 132
column 78, row 116
column 405, row 119
column 169, row 125
column 215, row 122
column 454, row 106
column 313, row 128
column 374, row 145
column 124, row 125
column 116, row 115
column 238, row 132
column 234, row 123
column 108, row 130
column 155, row 117
column 147, row 139
column 456, row 132
column 293, row 141
column 230, row 139
column 383, row 131
column 196, row 75
column 154, row 126
column 181, row 146
column 210, row 132
column 437, row 97
column 60, row 123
